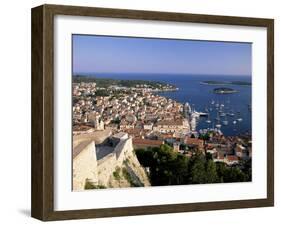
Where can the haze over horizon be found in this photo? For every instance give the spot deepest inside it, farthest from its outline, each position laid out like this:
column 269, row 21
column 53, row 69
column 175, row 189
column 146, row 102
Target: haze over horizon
column 107, row 54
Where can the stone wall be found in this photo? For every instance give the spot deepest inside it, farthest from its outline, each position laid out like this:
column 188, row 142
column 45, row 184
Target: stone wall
column 108, row 164
column 85, row 167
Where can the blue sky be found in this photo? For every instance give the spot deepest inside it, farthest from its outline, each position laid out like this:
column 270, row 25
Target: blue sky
column 107, row 54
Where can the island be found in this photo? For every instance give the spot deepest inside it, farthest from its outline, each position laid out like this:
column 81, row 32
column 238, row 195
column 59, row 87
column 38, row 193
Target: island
column 224, row 90
column 239, row 83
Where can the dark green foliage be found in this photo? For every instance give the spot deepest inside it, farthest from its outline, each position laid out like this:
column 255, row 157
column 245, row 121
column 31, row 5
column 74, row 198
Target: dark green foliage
column 90, row 185
column 129, row 178
column 102, row 92
column 106, row 82
column 116, row 173
column 234, row 174
column 209, row 156
column 247, row 169
column 168, row 167
column 197, row 170
column 211, row 172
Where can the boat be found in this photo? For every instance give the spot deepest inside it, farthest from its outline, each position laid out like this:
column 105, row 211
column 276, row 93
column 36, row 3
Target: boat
column 218, row 125
column 225, row 122
column 212, row 102
column 208, row 120
column 231, row 114
column 234, row 122
column 239, row 119
column 222, row 114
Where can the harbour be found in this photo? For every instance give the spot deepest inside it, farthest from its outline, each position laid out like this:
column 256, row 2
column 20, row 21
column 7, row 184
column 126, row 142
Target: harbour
column 230, row 113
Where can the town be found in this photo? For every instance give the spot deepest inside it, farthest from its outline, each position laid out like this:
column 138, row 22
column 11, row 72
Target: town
column 140, row 115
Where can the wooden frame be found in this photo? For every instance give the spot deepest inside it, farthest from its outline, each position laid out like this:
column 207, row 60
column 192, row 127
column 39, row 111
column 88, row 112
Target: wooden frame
column 43, row 119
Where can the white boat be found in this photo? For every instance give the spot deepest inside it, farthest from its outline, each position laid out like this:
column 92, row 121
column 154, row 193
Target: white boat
column 208, row 120
column 231, row 114
column 218, row 126
column 234, row 122
column 225, row 122
column 239, row 119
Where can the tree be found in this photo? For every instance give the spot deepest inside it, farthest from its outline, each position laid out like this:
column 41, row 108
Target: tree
column 234, row 174
column 197, row 170
column 221, row 168
column 166, row 166
column 211, row 172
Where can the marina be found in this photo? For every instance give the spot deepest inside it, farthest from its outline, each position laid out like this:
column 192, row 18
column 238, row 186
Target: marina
column 212, row 107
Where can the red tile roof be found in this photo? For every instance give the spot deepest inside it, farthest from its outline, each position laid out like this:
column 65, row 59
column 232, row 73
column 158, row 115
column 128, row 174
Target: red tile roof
column 147, row 142
column 232, row 158
column 194, row 141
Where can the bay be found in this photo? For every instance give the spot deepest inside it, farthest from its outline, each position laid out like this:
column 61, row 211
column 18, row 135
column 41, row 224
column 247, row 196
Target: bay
column 201, row 96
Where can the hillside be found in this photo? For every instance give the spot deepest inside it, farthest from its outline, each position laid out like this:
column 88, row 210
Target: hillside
column 129, row 174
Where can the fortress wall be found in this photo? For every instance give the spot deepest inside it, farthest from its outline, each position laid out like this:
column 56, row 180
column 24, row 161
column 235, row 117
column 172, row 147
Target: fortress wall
column 122, row 149
column 106, row 167
column 85, row 167
column 108, row 164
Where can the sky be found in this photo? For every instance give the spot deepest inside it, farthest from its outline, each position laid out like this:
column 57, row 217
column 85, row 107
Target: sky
column 109, row 54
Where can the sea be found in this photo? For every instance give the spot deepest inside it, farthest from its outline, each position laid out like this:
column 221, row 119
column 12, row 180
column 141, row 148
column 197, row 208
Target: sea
column 202, row 98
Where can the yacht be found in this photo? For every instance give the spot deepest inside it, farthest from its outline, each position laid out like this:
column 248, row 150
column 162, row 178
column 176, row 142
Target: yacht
column 231, row 114
column 234, row 122
column 225, row 122
column 208, row 120
column 218, row 125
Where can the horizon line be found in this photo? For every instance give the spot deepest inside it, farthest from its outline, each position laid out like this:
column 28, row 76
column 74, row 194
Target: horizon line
column 154, row 73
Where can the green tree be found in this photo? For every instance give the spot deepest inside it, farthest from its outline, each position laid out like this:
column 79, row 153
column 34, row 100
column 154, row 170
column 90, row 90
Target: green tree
column 211, row 172
column 234, row 174
column 197, row 169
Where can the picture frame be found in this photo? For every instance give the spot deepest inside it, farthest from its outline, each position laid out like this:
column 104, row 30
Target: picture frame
column 43, row 83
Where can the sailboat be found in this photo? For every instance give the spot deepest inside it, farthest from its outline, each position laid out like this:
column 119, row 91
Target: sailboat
column 225, row 122
column 222, row 114
column 218, row 125
column 239, row 119
column 208, row 120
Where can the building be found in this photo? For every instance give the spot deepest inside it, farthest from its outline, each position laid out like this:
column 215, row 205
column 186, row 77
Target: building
column 176, row 146
column 195, row 143
column 172, row 126
column 148, row 126
column 231, row 159
column 144, row 143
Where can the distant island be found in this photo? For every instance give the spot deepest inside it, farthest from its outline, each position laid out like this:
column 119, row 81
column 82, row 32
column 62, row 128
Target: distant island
column 224, row 90
column 109, row 82
column 239, row 83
